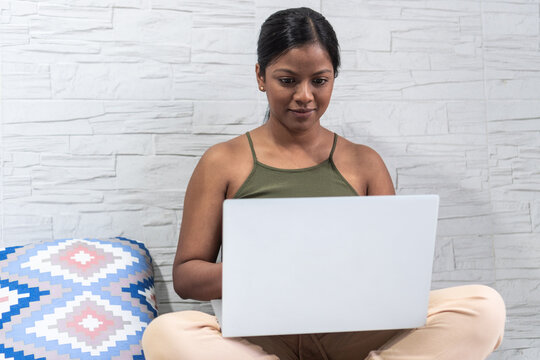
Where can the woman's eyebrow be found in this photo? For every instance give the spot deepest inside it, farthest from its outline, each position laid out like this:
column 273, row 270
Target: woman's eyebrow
column 293, row 73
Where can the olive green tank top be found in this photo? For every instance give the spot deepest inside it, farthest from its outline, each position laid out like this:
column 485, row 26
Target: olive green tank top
column 266, row 181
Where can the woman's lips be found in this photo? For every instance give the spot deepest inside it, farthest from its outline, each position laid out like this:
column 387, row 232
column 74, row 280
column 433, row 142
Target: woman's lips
column 304, row 113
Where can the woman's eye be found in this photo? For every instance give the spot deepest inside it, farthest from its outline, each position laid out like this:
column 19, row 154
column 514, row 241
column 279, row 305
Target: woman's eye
column 320, row 81
column 286, row 81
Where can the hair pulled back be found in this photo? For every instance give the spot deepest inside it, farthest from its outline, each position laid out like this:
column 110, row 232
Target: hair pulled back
column 290, row 28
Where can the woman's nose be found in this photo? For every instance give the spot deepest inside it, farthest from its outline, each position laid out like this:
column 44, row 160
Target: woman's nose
column 303, row 93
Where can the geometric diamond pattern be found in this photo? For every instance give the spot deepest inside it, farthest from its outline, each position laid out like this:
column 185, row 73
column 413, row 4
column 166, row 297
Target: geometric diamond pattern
column 105, row 324
column 75, row 299
column 82, row 261
column 14, row 297
column 144, row 290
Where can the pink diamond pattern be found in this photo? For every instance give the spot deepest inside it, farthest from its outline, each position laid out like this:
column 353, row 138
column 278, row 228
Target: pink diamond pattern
column 67, row 324
column 82, row 261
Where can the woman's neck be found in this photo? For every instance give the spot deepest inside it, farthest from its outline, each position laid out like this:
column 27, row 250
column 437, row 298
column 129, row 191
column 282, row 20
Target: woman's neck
column 282, row 136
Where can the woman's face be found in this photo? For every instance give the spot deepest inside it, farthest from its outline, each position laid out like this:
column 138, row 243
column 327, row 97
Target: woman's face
column 298, row 85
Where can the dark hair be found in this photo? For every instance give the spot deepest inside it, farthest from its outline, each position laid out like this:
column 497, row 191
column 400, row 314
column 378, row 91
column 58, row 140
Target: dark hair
column 290, row 28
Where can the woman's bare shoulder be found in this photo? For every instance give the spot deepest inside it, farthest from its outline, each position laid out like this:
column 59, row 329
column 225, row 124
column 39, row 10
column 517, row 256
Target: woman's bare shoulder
column 225, row 163
column 365, row 167
column 225, row 154
column 360, row 154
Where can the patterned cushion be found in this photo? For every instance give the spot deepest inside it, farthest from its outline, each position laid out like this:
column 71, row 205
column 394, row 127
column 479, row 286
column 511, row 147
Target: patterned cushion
column 75, row 299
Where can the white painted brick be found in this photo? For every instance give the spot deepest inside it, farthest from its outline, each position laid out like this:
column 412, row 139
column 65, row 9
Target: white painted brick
column 519, row 291
column 57, row 144
column 522, row 86
column 74, row 161
column 204, row 82
column 474, row 252
column 156, row 26
column 96, row 225
column 16, row 187
column 429, row 40
column 26, row 229
column 368, row 10
column 65, row 197
column 429, row 77
column 163, row 235
column 151, row 117
column 500, row 176
column 460, row 277
column 515, row 251
column 154, row 172
column 71, row 12
column 381, row 60
column 186, row 145
column 76, row 127
column 135, row 4
column 517, row 59
column 535, row 216
column 473, row 225
column 163, row 257
column 43, row 26
column 130, row 51
column 514, row 125
column 458, row 6
column 111, row 81
column 35, row 85
column 223, row 41
column 14, row 34
column 131, row 144
column 467, row 57
column 510, row 42
column 511, row 217
column 444, row 255
column 166, row 271
column 133, row 123
column 22, row 8
column 16, row 111
column 226, row 117
column 65, row 225
column 163, row 198
column 464, row 90
column 371, row 85
column 54, row 50
column 354, row 33
column 154, row 216
column 228, row 7
column 217, row 18
column 505, row 152
column 68, row 177
column 24, row 159
column 511, row 24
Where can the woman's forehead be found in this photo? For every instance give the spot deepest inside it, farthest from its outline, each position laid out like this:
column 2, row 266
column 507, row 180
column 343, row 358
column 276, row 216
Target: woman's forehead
column 309, row 57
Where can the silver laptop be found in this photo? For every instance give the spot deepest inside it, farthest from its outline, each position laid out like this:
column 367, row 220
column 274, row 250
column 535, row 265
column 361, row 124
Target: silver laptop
column 330, row 264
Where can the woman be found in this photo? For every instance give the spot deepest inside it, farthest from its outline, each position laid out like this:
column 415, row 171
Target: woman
column 293, row 155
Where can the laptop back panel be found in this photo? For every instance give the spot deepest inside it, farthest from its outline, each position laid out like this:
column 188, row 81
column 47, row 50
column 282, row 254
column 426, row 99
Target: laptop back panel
column 311, row 265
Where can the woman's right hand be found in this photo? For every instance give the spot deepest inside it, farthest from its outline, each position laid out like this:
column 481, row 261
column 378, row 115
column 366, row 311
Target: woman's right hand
column 195, row 273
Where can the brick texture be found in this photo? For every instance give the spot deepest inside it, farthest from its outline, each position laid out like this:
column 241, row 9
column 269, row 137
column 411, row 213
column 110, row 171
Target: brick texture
column 107, row 105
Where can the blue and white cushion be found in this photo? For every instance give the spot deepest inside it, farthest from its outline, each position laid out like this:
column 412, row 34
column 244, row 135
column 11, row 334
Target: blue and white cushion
column 75, row 299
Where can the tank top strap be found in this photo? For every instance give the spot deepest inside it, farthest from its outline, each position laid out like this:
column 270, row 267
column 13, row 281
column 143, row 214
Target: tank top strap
column 331, row 157
column 251, row 147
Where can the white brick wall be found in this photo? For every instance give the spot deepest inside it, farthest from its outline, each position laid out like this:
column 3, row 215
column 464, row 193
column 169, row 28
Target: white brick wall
column 108, row 104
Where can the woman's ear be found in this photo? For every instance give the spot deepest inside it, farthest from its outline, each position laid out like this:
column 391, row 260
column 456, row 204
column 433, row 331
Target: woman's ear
column 260, row 77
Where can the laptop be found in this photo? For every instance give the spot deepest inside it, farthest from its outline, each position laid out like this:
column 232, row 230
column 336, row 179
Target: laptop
column 328, row 264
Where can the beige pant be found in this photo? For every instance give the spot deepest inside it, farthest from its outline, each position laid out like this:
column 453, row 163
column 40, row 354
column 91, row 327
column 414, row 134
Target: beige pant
column 463, row 323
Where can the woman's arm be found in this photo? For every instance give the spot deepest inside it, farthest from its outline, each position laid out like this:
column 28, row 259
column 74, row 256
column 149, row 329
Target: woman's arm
column 195, row 275
column 379, row 181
